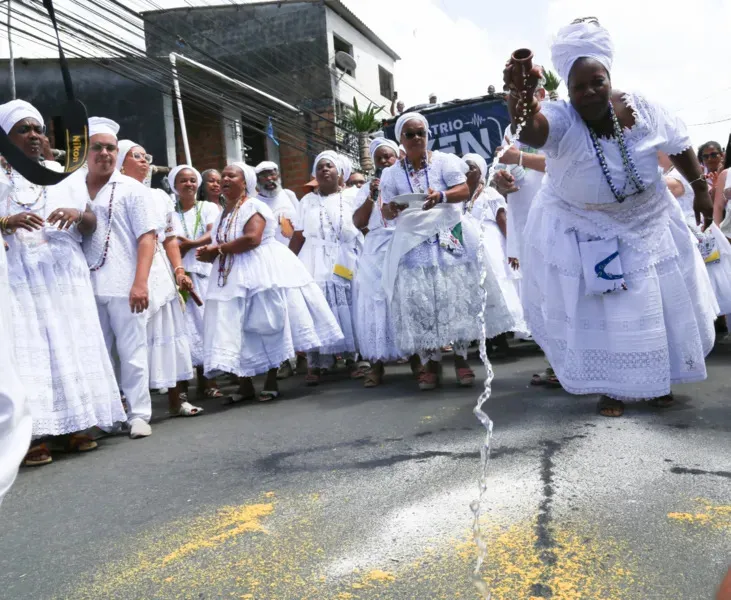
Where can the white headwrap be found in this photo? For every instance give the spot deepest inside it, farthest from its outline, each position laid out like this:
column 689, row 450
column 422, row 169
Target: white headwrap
column 327, row 155
column 249, row 177
column 267, row 165
column 174, row 173
column 405, row 118
column 347, row 167
column 378, row 142
column 17, row 110
column 124, row 147
column 479, row 161
column 102, row 125
column 581, row 40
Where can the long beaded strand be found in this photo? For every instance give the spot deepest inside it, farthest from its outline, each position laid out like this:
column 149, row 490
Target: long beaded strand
column 103, row 258
column 225, row 265
column 324, row 214
column 197, row 223
column 410, row 172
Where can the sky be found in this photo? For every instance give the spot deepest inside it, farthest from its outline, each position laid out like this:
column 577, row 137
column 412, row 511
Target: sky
column 456, row 48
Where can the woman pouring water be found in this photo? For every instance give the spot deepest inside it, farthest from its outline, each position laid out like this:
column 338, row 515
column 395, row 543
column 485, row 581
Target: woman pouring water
column 614, row 290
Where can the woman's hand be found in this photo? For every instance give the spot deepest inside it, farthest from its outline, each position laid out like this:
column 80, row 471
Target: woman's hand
column 375, row 185
column 432, row 199
column 184, row 282
column 703, row 207
column 517, row 81
column 514, row 263
column 26, row 220
column 505, row 182
column 391, row 210
column 139, row 298
column 511, row 156
column 207, row 254
column 64, row 217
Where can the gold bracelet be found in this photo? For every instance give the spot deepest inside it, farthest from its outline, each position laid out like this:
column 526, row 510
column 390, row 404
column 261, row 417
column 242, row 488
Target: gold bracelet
column 180, row 267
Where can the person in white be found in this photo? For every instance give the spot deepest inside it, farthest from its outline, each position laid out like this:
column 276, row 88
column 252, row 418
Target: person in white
column 487, row 210
column 168, row 351
column 283, row 203
column 16, row 423
column 373, row 320
column 58, row 343
column 261, row 306
column 326, row 240
column 712, row 244
column 119, row 254
column 431, row 275
column 614, row 290
column 194, row 221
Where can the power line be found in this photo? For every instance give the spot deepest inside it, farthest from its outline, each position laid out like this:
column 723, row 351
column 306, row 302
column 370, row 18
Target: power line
column 711, row 122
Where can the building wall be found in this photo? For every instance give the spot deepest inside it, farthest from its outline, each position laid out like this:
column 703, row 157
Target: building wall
column 136, row 107
column 368, row 56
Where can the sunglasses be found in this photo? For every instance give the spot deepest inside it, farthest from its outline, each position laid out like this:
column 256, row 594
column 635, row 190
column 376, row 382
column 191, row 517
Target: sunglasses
column 140, row 156
column 39, row 129
column 98, row 147
column 711, row 155
column 410, row 135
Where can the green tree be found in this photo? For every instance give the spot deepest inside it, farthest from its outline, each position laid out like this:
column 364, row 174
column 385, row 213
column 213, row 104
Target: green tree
column 552, row 83
column 362, row 123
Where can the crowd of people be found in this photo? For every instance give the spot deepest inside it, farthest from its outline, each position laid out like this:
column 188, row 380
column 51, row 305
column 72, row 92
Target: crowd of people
column 594, row 236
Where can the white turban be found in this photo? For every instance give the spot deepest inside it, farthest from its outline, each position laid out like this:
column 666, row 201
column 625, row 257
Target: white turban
column 405, row 118
column 174, row 173
column 327, row 155
column 347, row 167
column 124, row 147
column 378, row 142
column 479, row 161
column 102, row 125
column 17, row 110
column 581, row 40
column 249, row 177
column 267, row 165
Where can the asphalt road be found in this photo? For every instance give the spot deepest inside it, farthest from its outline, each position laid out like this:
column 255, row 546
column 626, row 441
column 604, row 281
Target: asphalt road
column 342, row 493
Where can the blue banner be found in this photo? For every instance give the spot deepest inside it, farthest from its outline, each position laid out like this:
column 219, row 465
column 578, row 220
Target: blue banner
column 476, row 127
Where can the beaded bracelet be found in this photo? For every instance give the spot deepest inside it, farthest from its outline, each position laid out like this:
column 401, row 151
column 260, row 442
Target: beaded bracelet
column 701, row 178
column 442, row 197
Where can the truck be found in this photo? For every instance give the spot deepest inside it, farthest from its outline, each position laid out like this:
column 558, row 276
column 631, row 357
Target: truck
column 463, row 126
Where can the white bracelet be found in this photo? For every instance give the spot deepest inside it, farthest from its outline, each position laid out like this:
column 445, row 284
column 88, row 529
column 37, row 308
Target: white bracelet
column 520, row 159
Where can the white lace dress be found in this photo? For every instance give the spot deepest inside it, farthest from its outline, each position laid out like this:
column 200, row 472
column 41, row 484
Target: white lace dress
column 373, row 320
column 168, row 350
column 529, row 182
column 193, row 224
column 633, row 343
column 436, row 296
column 266, row 308
column 483, row 214
column 59, row 347
column 713, row 246
column 331, row 239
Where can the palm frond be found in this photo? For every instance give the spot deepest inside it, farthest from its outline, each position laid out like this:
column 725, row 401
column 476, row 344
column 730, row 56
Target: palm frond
column 552, row 81
column 362, row 121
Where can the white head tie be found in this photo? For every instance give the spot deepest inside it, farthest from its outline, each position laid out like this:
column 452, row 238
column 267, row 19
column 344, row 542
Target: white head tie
column 174, row 173
column 347, row 167
column 124, row 147
column 378, row 142
column 267, row 165
column 249, row 177
column 102, row 125
column 479, row 161
column 405, row 118
column 587, row 39
column 17, row 110
column 327, row 155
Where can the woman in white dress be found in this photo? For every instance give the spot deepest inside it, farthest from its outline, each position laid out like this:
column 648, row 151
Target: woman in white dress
column 58, row 343
column 373, row 320
column 431, row 274
column 614, row 290
column 487, row 209
column 326, row 242
column 168, row 351
column 193, row 224
column 712, row 244
column 262, row 306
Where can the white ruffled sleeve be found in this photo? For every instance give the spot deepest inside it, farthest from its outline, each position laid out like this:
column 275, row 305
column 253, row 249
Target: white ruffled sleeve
column 453, row 170
column 388, row 188
column 559, row 120
column 675, row 132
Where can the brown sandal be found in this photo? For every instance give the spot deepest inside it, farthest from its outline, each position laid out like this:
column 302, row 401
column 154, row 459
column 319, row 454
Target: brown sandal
column 80, row 442
column 38, row 456
column 374, row 377
column 609, row 407
column 662, row 401
column 465, row 377
column 428, row 381
column 312, row 378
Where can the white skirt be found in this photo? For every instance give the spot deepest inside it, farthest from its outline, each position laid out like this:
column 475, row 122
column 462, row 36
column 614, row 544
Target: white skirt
column 232, row 345
column 59, row 347
column 373, row 321
column 194, row 319
column 168, row 350
column 631, row 344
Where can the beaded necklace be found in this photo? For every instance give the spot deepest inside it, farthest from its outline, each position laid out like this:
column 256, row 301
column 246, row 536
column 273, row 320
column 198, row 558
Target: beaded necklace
column 196, row 226
column 226, row 261
column 105, row 251
column 628, row 163
column 30, row 206
column 324, row 215
column 468, row 206
column 411, row 172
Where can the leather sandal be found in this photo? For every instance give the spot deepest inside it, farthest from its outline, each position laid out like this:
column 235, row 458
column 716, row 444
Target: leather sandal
column 38, row 456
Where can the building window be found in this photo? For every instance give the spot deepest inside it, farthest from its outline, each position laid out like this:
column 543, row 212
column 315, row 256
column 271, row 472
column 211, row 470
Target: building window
column 386, row 80
column 341, row 45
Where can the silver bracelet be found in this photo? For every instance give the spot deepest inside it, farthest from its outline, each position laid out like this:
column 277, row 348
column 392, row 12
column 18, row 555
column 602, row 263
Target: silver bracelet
column 701, row 178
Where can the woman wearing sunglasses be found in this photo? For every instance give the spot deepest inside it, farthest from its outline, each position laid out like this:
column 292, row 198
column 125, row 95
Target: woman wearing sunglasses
column 168, row 350
column 711, row 156
column 430, row 274
column 57, row 339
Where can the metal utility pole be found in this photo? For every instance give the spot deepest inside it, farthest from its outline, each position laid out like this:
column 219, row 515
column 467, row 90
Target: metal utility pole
column 11, row 61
